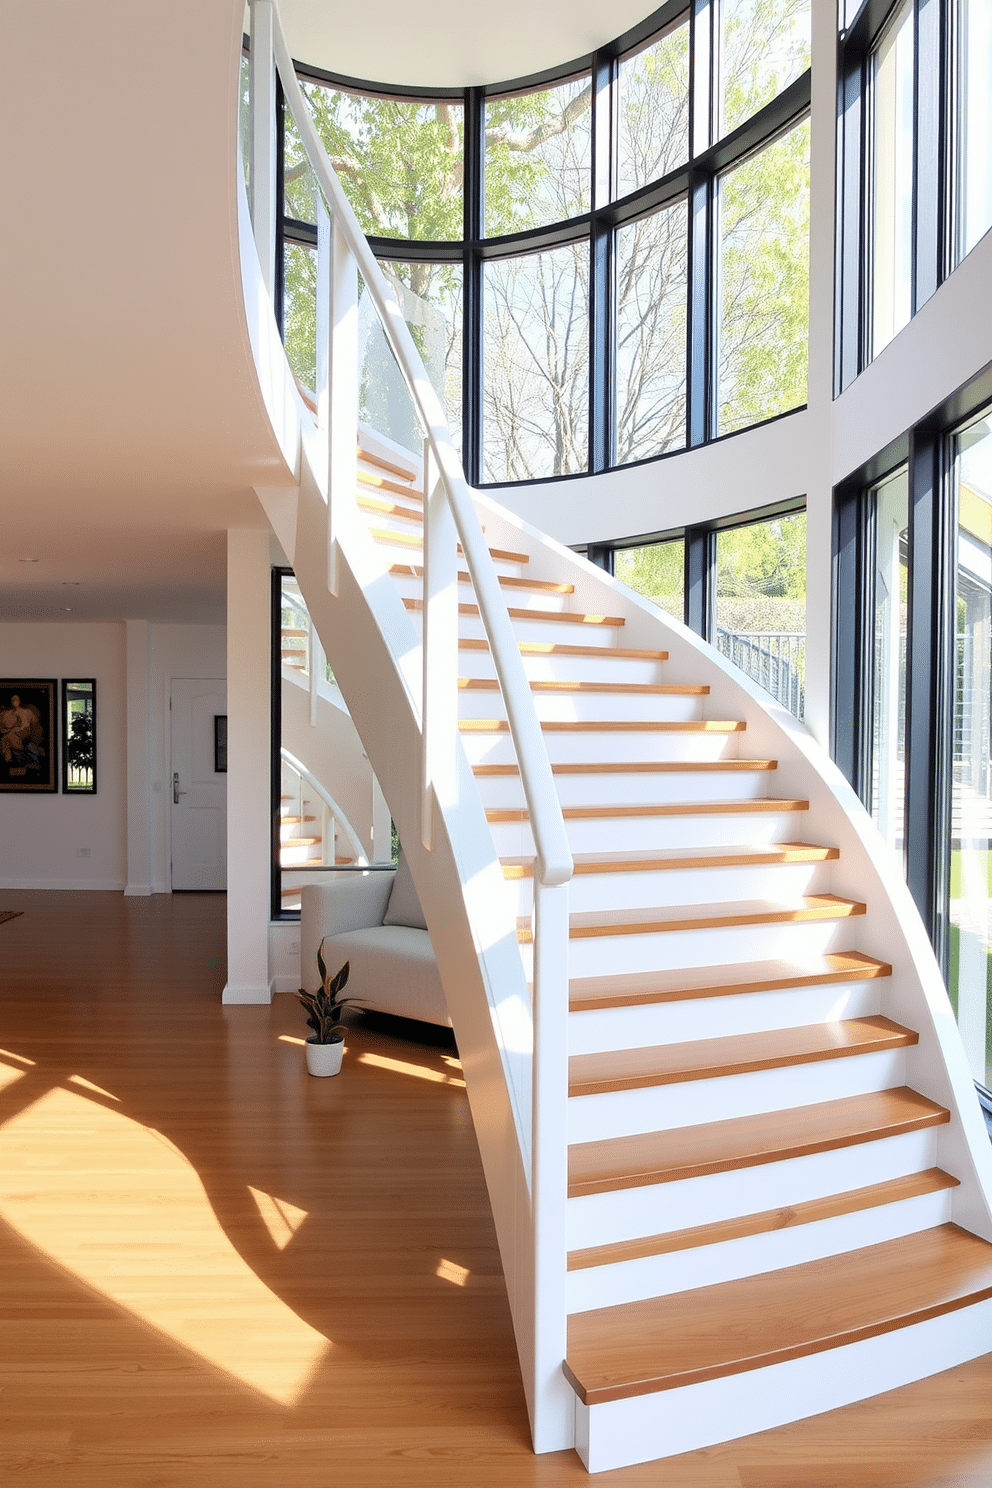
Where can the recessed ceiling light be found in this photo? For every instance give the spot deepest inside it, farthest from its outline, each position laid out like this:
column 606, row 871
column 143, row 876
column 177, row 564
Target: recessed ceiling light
column 68, row 608
column 28, row 560
column 70, row 583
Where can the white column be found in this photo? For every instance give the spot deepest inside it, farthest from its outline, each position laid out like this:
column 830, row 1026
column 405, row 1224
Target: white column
column 819, row 524
column 137, row 656
column 248, row 769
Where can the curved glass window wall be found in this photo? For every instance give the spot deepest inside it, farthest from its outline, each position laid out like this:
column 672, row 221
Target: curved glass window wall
column 599, row 267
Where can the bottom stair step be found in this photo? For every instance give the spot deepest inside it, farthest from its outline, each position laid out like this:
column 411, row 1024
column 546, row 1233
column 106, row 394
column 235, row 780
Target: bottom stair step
column 641, row 1348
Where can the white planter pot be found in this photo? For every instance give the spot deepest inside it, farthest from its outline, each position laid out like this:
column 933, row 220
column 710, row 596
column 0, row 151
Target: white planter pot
column 324, row 1059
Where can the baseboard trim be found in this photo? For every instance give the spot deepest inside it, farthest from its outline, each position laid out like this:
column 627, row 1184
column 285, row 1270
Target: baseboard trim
column 233, row 995
column 138, row 891
column 102, row 885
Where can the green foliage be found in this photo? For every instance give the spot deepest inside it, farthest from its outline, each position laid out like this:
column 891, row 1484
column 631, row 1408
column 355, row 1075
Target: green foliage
column 657, row 571
column 79, row 745
column 764, row 283
column 323, row 1008
column 764, row 558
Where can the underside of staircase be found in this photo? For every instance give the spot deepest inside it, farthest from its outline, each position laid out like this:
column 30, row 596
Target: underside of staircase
column 764, row 1219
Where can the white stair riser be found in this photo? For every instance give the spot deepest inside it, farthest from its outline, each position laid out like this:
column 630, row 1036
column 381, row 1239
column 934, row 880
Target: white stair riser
column 709, row 1265
column 784, row 883
column 290, row 856
column 564, row 633
column 630, row 790
column 412, row 587
column 646, row 1427
column 659, row 1208
column 413, row 555
column 600, row 955
column 720, row 1017
column 397, row 521
column 621, row 1113
column 568, row 748
column 635, row 833
column 605, row 666
column 589, row 707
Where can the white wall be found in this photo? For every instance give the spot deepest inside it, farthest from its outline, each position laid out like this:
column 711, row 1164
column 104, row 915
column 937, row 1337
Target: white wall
column 41, row 835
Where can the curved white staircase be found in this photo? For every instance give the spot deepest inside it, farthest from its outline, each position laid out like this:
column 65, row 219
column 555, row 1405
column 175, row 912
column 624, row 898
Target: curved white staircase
column 761, row 1183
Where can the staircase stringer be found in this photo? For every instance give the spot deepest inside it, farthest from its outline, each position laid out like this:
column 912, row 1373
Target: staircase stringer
column 375, row 654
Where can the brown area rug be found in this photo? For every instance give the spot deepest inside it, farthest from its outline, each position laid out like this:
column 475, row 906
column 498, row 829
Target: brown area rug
column 9, row 914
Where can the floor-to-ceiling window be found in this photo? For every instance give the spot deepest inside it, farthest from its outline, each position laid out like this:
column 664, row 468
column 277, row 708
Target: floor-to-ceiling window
column 600, row 267
column 913, row 680
column 969, row 889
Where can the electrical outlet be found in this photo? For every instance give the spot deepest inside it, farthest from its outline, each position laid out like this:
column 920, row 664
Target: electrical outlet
column 82, row 852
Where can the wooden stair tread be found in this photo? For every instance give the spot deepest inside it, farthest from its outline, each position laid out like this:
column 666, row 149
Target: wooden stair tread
column 552, row 648
column 390, row 508
column 771, row 1136
column 640, row 987
column 640, row 767
column 566, row 617
column 383, row 483
column 665, row 918
column 384, row 464
column 646, row 859
column 716, row 1058
column 299, row 842
column 411, row 540
column 661, row 808
column 640, row 1347
column 506, row 581
column 614, row 726
column 791, row 1216
column 650, row 689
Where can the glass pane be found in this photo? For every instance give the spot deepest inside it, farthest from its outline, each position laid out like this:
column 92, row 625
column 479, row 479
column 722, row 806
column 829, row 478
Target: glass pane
column 761, row 604
column 299, row 181
column 536, row 364
column 537, row 157
column 299, row 311
column 892, row 179
column 652, row 260
column 891, row 509
column 430, row 298
column 400, row 163
column 970, row 970
column 764, row 283
column 79, row 724
column 765, row 47
column 974, row 122
column 653, row 116
column 657, row 571
column 244, row 121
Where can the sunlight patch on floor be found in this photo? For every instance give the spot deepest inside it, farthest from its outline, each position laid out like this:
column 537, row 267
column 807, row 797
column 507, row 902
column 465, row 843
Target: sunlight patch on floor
column 282, row 1219
column 121, row 1208
column 9, row 1076
column 451, row 1271
column 402, row 1067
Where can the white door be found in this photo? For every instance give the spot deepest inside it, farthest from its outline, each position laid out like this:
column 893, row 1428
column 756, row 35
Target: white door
column 198, row 788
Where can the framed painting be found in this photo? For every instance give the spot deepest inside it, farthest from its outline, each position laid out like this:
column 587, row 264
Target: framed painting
column 79, row 736
column 28, row 735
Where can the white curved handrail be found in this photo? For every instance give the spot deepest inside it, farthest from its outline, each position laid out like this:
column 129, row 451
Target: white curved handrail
column 329, row 802
column 554, row 859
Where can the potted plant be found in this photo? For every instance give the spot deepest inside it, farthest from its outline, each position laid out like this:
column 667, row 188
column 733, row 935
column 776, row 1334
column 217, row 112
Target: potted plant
column 325, row 1046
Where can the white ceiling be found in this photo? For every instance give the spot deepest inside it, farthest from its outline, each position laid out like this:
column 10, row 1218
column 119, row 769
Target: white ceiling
column 452, row 43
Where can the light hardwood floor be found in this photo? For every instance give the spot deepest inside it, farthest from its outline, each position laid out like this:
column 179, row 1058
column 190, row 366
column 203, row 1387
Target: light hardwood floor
column 216, row 1272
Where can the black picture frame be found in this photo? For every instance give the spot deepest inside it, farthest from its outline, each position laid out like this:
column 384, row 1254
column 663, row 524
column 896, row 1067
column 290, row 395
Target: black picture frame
column 220, row 743
column 29, row 735
column 79, row 736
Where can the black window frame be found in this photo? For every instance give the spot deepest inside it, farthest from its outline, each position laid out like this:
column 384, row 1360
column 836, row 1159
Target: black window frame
column 694, row 182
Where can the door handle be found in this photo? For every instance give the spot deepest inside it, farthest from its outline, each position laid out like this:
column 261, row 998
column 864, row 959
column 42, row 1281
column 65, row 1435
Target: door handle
column 176, row 792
